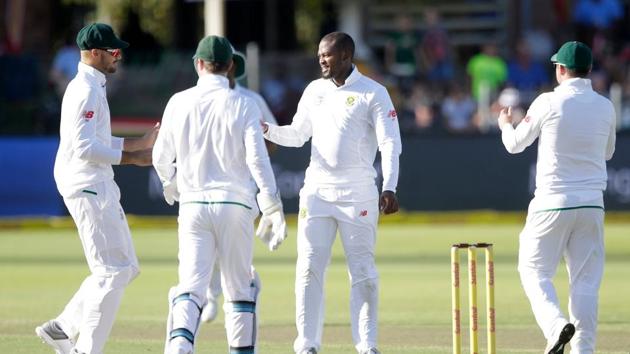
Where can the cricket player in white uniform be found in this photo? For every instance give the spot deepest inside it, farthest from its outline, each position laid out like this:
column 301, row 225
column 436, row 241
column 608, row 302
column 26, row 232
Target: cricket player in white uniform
column 348, row 116
column 237, row 72
column 210, row 155
column 575, row 128
column 84, row 176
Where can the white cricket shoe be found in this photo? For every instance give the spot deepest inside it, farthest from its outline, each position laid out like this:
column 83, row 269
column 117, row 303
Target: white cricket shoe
column 51, row 334
column 210, row 311
column 309, row 351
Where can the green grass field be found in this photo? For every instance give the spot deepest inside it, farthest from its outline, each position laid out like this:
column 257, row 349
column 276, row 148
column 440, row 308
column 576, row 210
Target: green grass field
column 42, row 268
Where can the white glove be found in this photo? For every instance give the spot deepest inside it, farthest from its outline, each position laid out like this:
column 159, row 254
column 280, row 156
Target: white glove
column 171, row 194
column 272, row 228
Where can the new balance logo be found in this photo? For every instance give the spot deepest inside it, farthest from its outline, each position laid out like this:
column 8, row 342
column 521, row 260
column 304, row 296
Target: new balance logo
column 392, row 114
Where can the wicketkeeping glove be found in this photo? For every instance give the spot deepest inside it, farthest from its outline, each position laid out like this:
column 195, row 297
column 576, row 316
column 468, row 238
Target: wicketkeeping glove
column 171, row 194
column 272, row 228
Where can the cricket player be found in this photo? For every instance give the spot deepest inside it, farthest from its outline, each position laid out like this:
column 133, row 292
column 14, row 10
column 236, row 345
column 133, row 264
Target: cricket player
column 575, row 128
column 210, row 155
column 237, row 72
column 348, row 117
column 84, row 176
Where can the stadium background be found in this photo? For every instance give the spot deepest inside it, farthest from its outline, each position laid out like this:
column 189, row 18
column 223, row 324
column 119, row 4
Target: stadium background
column 441, row 169
column 455, row 186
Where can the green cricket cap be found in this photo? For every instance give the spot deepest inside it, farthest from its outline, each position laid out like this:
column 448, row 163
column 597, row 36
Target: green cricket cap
column 574, row 55
column 214, row 49
column 239, row 64
column 99, row 35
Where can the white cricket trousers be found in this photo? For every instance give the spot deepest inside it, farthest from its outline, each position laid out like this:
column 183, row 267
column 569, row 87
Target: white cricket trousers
column 577, row 235
column 111, row 257
column 220, row 232
column 318, row 223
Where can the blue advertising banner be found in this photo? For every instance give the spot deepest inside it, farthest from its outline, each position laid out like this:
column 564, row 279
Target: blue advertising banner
column 27, row 185
column 436, row 174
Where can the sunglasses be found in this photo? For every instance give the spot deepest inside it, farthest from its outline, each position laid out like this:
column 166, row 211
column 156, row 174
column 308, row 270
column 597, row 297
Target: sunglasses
column 116, row 53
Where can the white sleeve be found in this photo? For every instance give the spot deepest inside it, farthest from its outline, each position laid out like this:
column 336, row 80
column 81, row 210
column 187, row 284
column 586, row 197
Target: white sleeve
column 164, row 152
column 256, row 155
column 300, row 130
column 267, row 115
column 516, row 140
column 117, row 143
column 385, row 120
column 84, row 140
column 610, row 146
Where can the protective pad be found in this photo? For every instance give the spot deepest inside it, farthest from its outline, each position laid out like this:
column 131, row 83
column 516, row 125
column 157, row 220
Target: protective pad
column 240, row 326
column 183, row 321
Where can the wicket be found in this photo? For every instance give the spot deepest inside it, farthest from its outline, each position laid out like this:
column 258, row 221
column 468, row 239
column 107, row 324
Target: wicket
column 472, row 297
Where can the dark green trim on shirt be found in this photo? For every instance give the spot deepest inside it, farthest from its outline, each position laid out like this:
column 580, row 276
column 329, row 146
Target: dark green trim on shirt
column 89, row 192
column 571, row 208
column 221, row 202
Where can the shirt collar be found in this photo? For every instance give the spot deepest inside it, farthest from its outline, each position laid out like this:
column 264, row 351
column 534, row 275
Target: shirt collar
column 213, row 80
column 574, row 84
column 92, row 74
column 354, row 76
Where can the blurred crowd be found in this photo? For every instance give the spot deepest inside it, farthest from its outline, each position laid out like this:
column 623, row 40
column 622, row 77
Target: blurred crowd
column 437, row 91
column 436, row 87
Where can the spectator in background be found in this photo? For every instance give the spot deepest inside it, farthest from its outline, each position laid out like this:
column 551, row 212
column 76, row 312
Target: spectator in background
column 487, row 71
column 65, row 65
column 509, row 97
column 458, row 110
column 526, row 74
column 402, row 57
column 416, row 114
column 435, row 49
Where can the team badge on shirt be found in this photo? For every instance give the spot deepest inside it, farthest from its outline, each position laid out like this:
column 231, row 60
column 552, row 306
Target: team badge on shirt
column 351, row 100
column 88, row 115
column 363, row 213
column 527, row 119
column 303, row 213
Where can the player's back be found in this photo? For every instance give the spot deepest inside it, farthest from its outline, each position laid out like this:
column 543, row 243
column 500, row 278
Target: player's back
column 574, row 140
column 208, row 127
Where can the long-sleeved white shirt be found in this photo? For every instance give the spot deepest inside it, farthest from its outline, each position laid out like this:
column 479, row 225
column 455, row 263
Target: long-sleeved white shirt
column 267, row 115
column 87, row 149
column 347, row 125
column 575, row 128
column 210, row 142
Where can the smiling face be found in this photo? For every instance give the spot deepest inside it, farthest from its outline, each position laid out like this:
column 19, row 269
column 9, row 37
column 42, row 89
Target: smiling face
column 333, row 61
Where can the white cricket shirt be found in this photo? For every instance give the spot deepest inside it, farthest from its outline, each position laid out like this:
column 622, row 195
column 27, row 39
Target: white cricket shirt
column 211, row 142
column 267, row 115
column 87, row 149
column 347, row 125
column 575, row 127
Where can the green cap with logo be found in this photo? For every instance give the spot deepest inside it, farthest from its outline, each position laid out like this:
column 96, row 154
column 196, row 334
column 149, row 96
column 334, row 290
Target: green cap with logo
column 574, row 55
column 99, row 36
column 214, row 49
